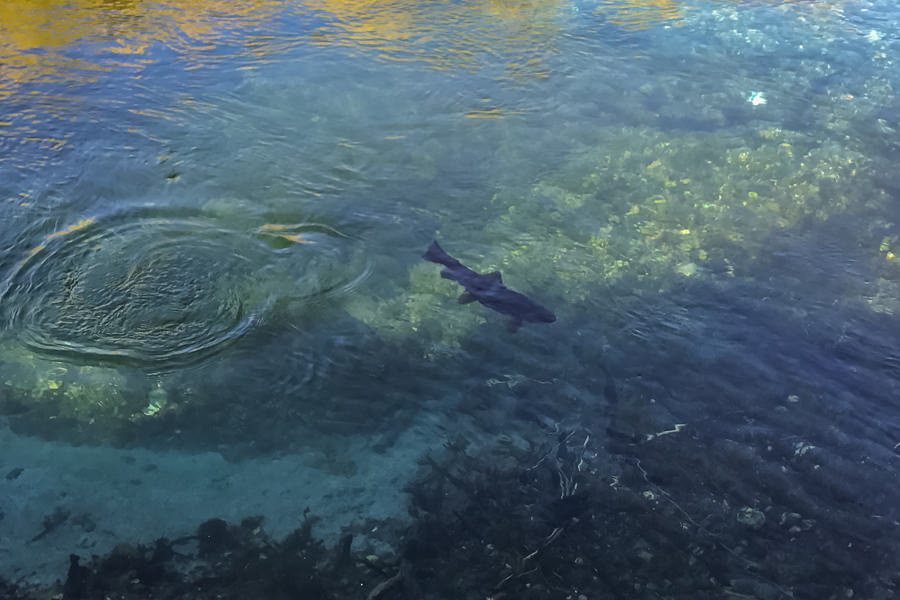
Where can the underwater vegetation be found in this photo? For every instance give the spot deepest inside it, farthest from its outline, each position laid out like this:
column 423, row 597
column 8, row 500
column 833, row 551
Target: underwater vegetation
column 640, row 205
column 105, row 316
column 659, row 206
column 558, row 517
column 82, row 404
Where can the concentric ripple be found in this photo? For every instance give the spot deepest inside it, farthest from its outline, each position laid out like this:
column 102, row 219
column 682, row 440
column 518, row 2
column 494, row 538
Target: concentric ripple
column 157, row 288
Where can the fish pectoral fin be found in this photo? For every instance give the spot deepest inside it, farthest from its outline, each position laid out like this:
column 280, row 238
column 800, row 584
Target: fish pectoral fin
column 513, row 326
column 467, row 297
column 446, row 274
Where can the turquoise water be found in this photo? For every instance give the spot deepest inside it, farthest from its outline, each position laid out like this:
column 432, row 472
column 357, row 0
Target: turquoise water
column 213, row 225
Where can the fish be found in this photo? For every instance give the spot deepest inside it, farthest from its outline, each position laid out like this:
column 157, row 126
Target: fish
column 488, row 289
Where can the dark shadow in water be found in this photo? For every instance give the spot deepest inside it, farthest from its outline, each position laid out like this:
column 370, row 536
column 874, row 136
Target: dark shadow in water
column 674, row 517
column 277, row 392
column 730, row 435
column 753, row 418
column 788, row 387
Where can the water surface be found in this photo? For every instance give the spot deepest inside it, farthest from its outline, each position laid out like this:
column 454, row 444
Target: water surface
column 214, row 216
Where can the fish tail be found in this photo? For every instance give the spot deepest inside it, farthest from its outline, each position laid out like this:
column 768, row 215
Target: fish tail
column 436, row 254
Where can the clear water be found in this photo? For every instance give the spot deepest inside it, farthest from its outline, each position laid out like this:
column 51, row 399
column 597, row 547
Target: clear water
column 214, row 215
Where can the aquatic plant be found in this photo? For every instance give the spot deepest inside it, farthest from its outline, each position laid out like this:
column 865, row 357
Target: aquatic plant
column 653, row 205
column 554, row 514
column 643, row 205
column 81, row 402
column 413, row 309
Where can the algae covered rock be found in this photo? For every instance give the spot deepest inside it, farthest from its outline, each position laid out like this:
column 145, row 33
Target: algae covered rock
column 660, row 206
column 79, row 403
column 419, row 309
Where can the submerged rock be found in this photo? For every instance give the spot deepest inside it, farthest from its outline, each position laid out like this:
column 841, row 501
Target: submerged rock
column 751, row 517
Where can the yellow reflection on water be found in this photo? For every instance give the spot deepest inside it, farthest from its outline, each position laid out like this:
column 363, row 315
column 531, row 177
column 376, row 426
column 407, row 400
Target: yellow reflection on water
column 642, row 14
column 57, row 40
column 45, row 43
column 66, row 40
column 75, row 227
column 444, row 34
column 78, row 41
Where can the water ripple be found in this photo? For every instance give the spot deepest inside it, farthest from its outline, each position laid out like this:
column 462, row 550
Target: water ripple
column 166, row 287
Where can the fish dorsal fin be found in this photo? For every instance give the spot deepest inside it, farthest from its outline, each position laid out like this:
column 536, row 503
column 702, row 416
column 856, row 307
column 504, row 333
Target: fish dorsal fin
column 495, row 276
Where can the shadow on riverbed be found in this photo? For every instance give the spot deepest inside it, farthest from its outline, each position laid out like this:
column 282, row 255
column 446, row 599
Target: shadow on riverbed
column 664, row 518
